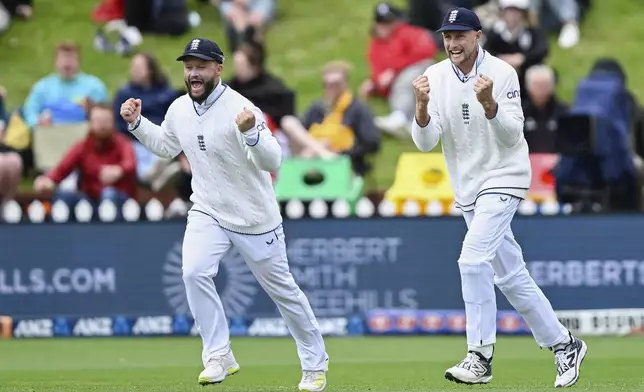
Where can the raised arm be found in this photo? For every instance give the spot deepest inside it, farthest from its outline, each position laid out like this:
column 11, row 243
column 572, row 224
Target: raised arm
column 161, row 140
column 502, row 105
column 425, row 128
column 261, row 147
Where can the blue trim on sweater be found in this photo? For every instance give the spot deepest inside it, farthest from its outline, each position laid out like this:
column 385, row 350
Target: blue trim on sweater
column 256, row 142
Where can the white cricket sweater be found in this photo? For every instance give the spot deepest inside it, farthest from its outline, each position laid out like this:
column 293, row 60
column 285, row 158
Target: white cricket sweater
column 482, row 155
column 230, row 170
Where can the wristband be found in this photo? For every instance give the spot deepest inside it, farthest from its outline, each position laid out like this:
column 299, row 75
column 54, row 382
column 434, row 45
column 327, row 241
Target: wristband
column 255, row 131
column 135, row 125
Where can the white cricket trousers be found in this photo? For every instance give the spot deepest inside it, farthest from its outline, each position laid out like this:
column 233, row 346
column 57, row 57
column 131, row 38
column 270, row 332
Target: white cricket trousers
column 490, row 255
column 204, row 245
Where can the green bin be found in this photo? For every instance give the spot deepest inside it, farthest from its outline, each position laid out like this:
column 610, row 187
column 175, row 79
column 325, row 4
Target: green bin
column 336, row 180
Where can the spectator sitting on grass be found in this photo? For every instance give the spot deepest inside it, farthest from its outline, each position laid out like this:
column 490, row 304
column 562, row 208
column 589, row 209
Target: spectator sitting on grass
column 105, row 161
column 339, row 123
column 63, row 97
column 150, row 84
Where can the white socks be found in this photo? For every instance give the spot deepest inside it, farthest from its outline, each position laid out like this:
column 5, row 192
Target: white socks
column 528, row 299
column 562, row 345
column 486, row 350
column 477, row 283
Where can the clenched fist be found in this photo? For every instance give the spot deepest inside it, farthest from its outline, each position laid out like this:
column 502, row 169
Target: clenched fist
column 245, row 120
column 483, row 88
column 131, row 110
column 421, row 90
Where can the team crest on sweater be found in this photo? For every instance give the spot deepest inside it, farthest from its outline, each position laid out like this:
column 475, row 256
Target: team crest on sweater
column 201, row 142
column 465, row 109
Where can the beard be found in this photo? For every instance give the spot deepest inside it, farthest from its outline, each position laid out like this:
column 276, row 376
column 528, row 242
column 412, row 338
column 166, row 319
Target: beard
column 197, row 92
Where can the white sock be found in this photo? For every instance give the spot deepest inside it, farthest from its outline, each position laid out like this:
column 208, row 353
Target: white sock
column 486, row 350
column 477, row 283
column 562, row 345
column 528, row 299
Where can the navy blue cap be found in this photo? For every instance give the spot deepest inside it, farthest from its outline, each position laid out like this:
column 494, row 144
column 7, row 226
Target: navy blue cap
column 204, row 49
column 385, row 12
column 460, row 19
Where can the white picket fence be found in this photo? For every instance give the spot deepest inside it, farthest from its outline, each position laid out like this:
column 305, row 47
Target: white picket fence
column 154, row 210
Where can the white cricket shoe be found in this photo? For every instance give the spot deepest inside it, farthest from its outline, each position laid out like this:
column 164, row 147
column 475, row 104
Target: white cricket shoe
column 474, row 369
column 568, row 361
column 218, row 368
column 314, row 380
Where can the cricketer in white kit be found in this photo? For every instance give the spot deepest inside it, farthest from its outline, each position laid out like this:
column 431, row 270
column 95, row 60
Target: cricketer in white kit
column 471, row 101
column 231, row 153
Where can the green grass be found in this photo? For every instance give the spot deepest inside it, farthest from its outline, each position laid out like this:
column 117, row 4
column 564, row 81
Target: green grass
column 306, row 35
column 357, row 364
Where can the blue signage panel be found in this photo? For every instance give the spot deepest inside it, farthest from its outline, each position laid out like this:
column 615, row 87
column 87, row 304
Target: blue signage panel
column 346, row 267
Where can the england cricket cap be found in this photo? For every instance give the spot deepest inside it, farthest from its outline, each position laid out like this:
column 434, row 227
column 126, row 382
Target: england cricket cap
column 460, row 19
column 204, row 49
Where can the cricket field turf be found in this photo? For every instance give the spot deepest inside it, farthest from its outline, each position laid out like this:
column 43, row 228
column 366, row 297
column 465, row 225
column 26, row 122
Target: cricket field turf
column 377, row 364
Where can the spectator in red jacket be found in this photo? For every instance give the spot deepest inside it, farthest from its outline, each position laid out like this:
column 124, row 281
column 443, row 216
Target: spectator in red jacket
column 105, row 162
column 398, row 53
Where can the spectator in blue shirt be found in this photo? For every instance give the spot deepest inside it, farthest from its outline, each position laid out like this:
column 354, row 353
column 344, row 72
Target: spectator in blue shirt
column 62, row 97
column 149, row 84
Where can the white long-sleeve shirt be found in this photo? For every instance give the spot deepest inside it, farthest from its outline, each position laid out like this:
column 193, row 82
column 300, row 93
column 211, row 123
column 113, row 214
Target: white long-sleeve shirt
column 482, row 155
column 231, row 178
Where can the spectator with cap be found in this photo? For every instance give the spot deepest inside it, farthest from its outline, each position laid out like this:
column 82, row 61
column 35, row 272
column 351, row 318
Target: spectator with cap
column 515, row 41
column 63, row 97
column 397, row 53
column 542, row 109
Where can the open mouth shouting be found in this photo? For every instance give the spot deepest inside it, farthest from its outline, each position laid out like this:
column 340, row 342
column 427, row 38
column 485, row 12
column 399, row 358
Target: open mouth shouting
column 197, row 87
column 456, row 54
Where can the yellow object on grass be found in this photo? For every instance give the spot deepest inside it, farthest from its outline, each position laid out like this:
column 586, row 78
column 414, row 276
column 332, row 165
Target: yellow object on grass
column 421, row 177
